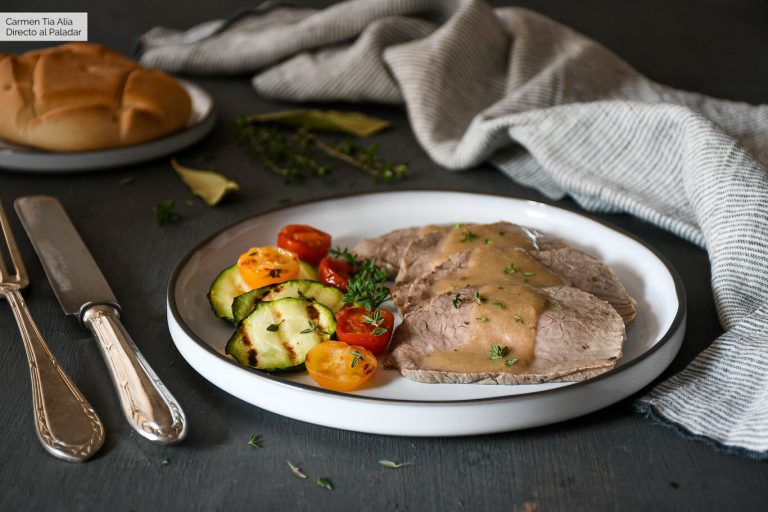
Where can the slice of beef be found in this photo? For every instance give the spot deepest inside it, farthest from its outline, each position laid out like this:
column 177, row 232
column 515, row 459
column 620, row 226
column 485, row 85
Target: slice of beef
column 591, row 275
column 411, row 295
column 387, row 249
column 578, row 338
column 422, row 254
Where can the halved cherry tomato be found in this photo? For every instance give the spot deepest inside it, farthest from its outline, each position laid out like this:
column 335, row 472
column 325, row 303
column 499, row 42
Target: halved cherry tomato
column 308, row 243
column 338, row 366
column 334, row 272
column 358, row 326
column 260, row 266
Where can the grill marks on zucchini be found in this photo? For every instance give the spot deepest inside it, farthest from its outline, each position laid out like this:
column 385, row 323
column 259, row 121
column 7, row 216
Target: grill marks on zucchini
column 328, row 296
column 253, row 345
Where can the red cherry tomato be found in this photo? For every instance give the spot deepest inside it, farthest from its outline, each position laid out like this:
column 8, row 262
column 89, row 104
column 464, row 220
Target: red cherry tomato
column 334, row 272
column 308, row 243
column 371, row 330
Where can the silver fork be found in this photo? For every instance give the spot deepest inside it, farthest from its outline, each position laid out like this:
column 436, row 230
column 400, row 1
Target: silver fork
column 66, row 423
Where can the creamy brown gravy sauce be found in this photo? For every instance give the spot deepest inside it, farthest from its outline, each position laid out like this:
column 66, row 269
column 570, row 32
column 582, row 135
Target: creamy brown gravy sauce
column 510, row 301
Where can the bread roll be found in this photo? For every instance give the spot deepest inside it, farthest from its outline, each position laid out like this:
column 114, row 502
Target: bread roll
column 81, row 97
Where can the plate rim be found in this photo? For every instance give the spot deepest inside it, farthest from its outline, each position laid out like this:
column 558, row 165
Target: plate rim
column 204, row 126
column 674, row 327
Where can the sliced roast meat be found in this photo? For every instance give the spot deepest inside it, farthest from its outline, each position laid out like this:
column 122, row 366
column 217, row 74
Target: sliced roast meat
column 576, row 337
column 591, row 275
column 426, row 252
column 387, row 249
column 483, row 265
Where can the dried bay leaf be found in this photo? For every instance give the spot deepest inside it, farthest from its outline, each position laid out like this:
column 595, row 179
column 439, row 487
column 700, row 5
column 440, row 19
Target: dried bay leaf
column 211, row 186
column 351, row 123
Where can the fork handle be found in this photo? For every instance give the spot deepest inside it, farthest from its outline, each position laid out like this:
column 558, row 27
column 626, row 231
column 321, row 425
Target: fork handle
column 66, row 423
column 148, row 406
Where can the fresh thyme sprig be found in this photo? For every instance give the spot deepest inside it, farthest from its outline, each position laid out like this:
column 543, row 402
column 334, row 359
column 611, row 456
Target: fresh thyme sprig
column 293, row 152
column 366, row 286
column 375, row 320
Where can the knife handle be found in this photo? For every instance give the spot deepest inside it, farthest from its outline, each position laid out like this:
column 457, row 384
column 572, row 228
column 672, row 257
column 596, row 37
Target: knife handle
column 148, row 405
column 66, row 423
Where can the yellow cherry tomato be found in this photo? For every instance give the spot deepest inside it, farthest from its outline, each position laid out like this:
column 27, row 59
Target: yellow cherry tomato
column 338, row 366
column 260, row 266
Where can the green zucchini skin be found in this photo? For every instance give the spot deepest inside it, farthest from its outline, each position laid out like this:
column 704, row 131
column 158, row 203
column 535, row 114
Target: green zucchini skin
column 278, row 334
column 307, row 271
column 326, row 295
column 227, row 285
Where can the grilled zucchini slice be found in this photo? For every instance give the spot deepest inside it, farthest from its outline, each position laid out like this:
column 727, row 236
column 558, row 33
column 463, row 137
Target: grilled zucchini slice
column 278, row 334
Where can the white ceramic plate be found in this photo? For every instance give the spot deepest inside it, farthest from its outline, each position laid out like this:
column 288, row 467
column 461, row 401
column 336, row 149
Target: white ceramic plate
column 30, row 160
column 393, row 404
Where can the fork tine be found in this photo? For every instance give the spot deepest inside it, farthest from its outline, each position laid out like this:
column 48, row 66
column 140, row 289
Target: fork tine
column 13, row 250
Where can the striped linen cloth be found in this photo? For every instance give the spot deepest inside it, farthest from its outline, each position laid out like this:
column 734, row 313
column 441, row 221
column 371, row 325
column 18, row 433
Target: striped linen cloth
column 557, row 112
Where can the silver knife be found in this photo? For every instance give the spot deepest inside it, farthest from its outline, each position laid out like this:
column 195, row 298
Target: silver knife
column 82, row 290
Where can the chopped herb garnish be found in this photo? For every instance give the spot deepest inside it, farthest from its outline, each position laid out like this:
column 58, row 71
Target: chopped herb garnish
column 393, row 465
column 482, row 319
column 275, row 327
column 165, row 213
column 488, row 241
column 457, row 300
column 457, row 226
column 518, row 319
column 296, row 470
column 375, row 319
column 499, row 305
column 358, row 357
column 366, row 286
column 343, row 253
column 554, row 303
column 313, row 328
column 479, row 298
column 528, row 274
column 254, row 441
column 497, row 352
column 510, row 362
column 324, row 483
column 467, row 236
column 510, row 269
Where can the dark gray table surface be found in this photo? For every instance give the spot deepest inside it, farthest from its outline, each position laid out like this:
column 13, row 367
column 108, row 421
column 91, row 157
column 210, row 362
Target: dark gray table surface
column 612, row 459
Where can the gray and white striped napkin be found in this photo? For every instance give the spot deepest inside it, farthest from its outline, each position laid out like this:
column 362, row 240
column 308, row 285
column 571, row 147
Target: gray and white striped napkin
column 557, row 112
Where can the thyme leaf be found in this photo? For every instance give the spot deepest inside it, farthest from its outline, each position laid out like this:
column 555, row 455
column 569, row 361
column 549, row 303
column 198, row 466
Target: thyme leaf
column 518, row 319
column 275, row 327
column 296, row 470
column 393, row 465
column 510, row 362
column 457, row 300
column 165, row 212
column 467, row 236
column 358, row 357
column 497, row 352
column 254, row 441
column 324, row 483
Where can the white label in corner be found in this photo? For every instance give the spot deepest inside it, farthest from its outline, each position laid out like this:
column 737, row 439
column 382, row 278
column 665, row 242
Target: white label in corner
column 43, row 26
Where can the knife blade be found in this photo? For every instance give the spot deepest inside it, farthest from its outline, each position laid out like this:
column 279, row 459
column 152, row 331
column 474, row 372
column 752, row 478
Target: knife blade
column 82, row 290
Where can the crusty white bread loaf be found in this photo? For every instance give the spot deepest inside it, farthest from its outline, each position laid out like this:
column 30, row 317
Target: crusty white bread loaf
column 81, row 96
